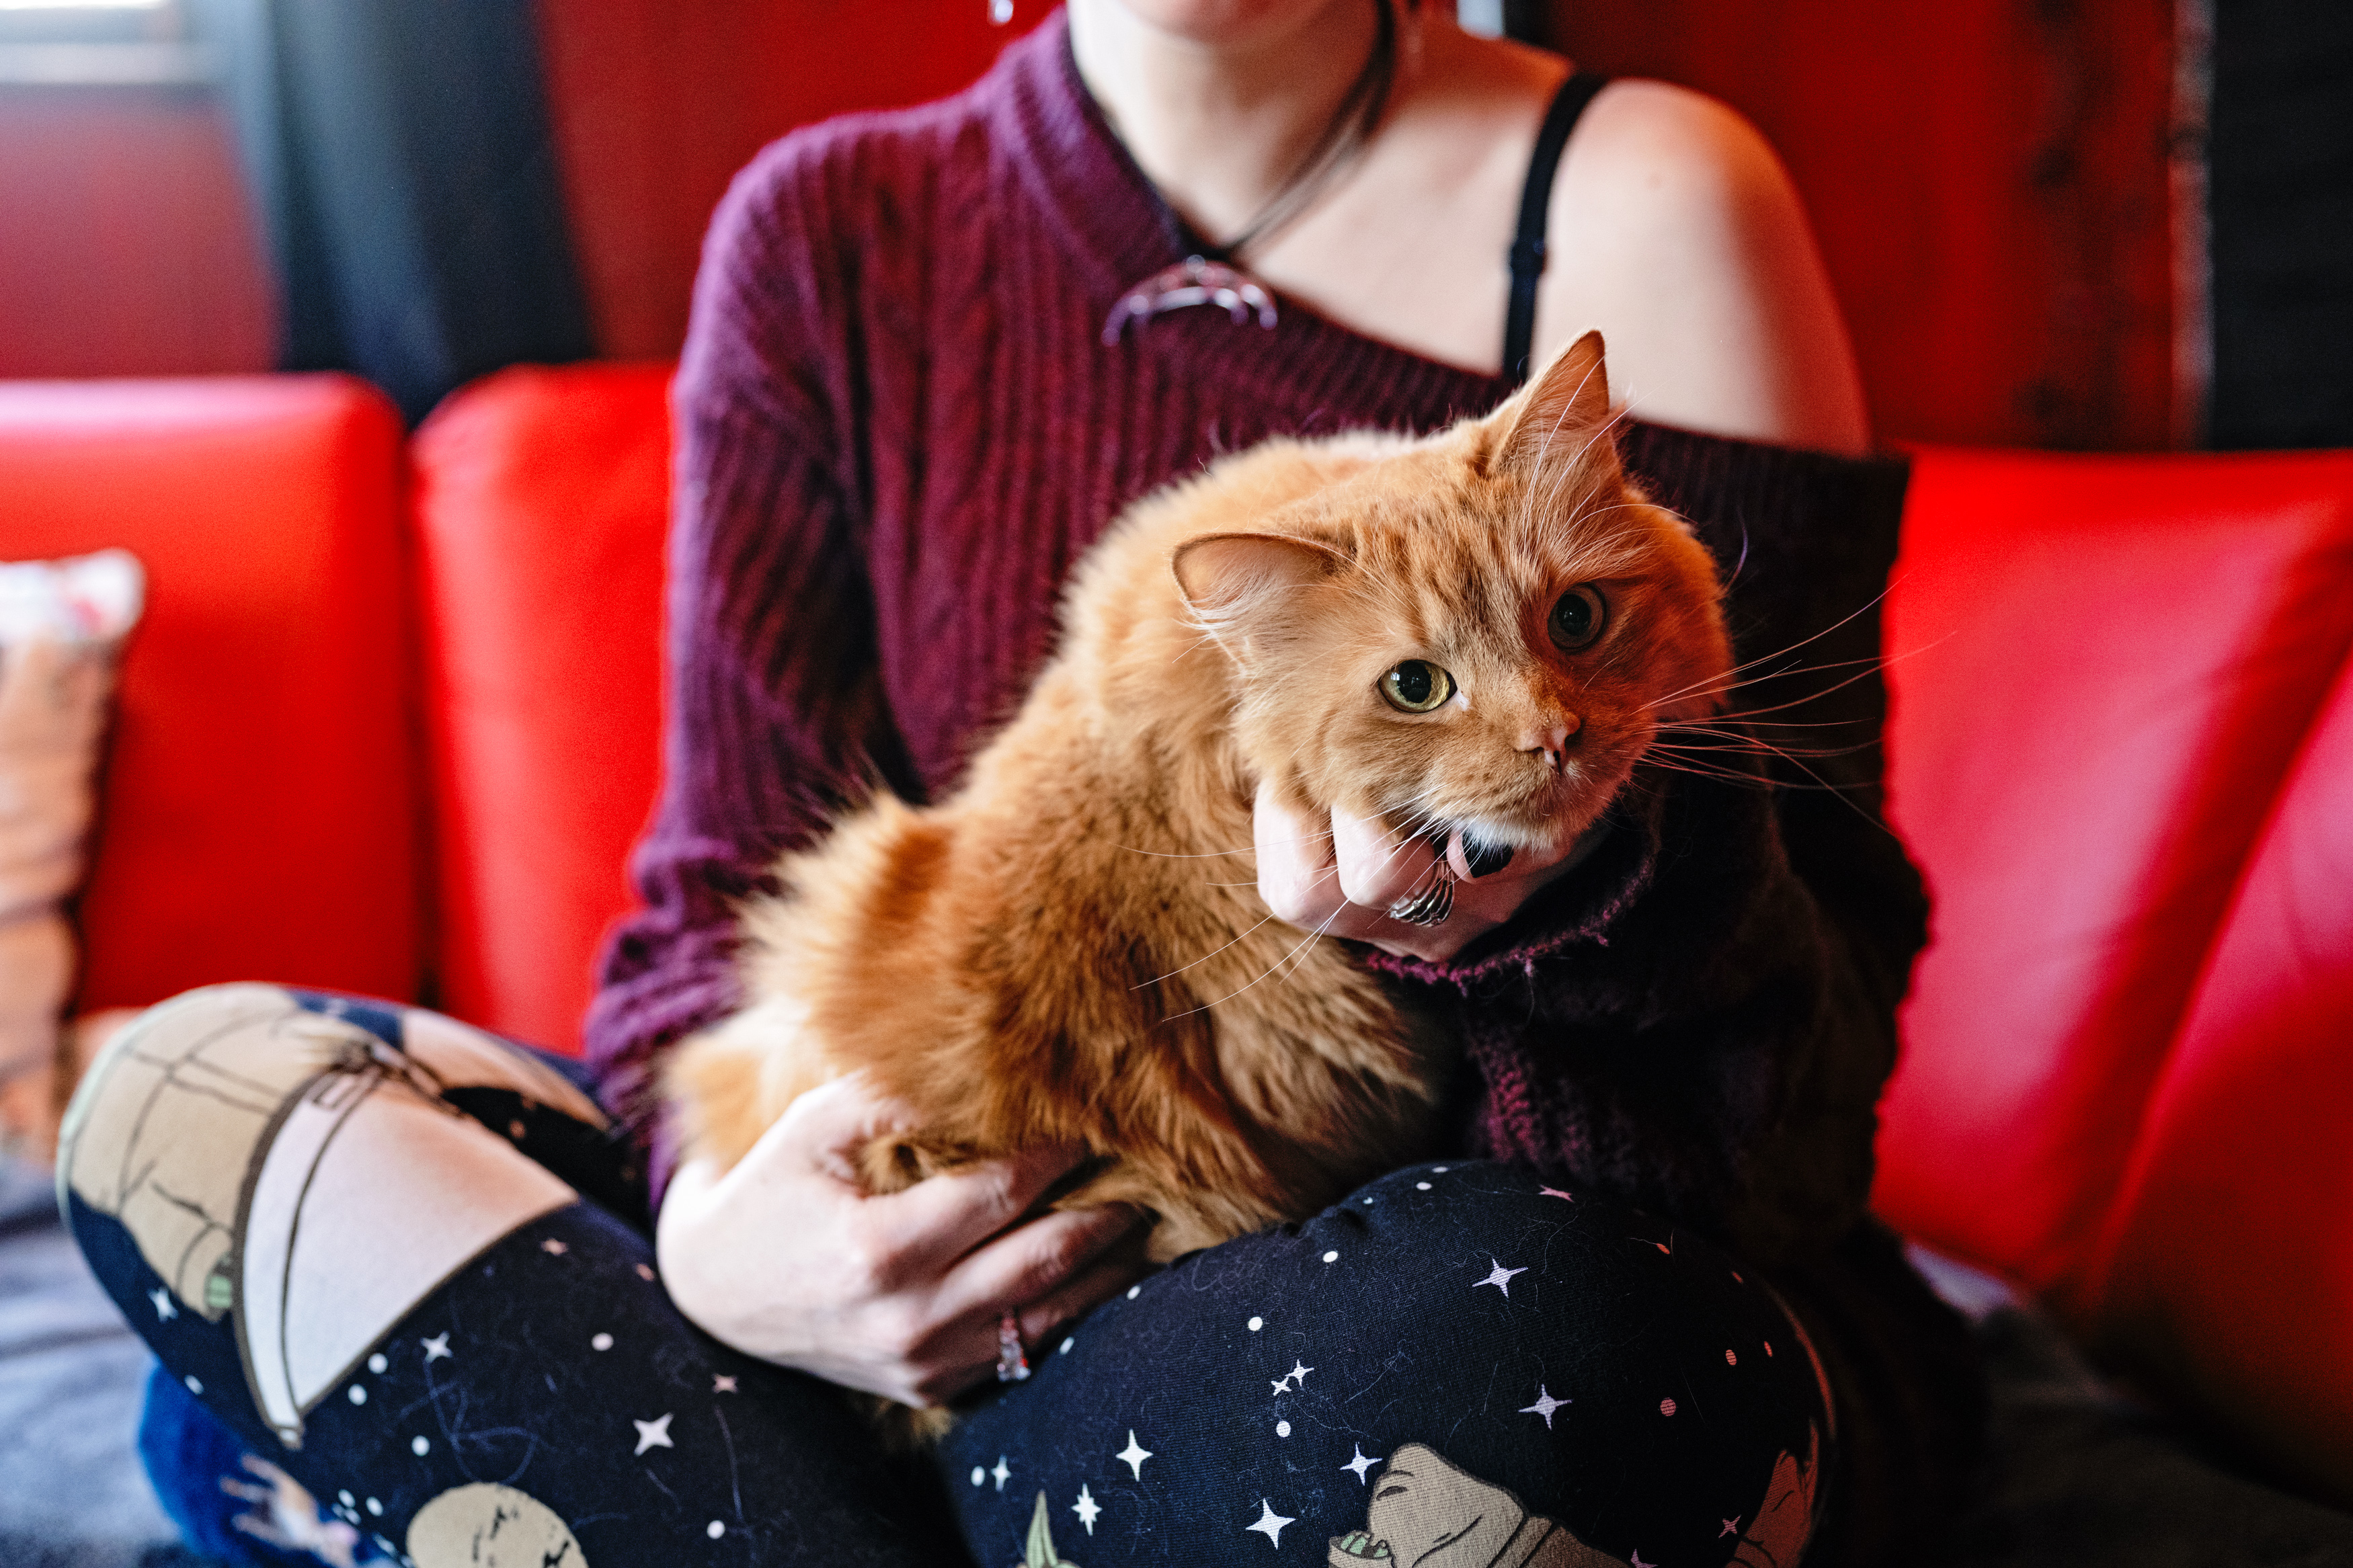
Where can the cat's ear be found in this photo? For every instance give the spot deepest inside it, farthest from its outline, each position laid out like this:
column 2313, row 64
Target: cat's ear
column 1243, row 587
column 1556, row 416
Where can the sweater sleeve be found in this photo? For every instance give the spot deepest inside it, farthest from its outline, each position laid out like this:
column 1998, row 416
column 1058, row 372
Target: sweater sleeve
column 775, row 712
column 1700, row 1018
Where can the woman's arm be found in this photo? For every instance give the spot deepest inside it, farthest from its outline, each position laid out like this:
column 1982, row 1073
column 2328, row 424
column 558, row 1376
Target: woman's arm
column 776, row 715
column 1677, row 232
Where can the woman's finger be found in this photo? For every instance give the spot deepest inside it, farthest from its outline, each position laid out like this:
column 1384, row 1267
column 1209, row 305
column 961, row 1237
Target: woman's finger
column 940, row 1219
column 1295, row 862
column 961, row 1352
column 824, row 1130
column 1116, row 1271
column 1376, row 867
column 1027, row 1265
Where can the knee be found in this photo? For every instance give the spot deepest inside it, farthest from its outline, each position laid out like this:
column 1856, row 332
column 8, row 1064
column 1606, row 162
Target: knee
column 163, row 1128
column 1580, row 1291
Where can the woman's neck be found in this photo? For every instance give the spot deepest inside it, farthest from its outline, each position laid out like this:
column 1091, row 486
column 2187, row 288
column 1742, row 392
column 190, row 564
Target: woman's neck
column 1220, row 125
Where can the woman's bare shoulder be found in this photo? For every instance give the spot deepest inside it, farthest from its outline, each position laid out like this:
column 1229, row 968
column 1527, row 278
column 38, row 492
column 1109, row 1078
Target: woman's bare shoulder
column 1680, row 233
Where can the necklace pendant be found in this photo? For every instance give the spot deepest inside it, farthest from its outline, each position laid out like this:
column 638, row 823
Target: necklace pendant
column 1196, row 281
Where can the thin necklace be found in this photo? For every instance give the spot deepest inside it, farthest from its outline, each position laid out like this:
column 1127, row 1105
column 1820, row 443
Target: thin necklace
column 1207, row 275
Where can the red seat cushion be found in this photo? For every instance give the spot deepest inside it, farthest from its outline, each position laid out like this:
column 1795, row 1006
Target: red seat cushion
column 2100, row 667
column 258, row 818
column 541, row 504
column 2229, row 1276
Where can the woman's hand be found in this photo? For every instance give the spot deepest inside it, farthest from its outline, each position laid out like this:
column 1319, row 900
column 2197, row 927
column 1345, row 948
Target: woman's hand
column 1340, row 879
column 786, row 1258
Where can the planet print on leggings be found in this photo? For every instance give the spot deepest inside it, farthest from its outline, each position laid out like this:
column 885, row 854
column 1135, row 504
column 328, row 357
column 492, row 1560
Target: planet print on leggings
column 489, row 1526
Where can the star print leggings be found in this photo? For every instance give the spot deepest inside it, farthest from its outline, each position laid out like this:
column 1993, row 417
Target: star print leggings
column 397, row 1276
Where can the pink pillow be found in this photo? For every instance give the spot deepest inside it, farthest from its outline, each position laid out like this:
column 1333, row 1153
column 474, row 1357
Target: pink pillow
column 62, row 625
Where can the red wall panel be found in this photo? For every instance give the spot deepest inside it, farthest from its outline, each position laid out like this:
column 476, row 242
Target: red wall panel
column 126, row 244
column 1988, row 182
column 657, row 104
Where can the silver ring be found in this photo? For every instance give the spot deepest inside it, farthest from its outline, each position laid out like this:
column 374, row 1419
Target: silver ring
column 1012, row 1361
column 1431, row 905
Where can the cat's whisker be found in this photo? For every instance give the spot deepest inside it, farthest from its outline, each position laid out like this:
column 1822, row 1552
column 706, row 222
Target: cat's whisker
column 1302, row 946
column 1298, row 952
column 1819, row 783
column 1755, row 745
column 1749, row 715
column 1203, row 959
column 1870, row 667
column 1740, row 740
column 1740, row 566
column 1721, row 776
column 1864, row 609
column 1221, row 853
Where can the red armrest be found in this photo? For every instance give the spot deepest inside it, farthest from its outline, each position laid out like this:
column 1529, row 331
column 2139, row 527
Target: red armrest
column 259, row 818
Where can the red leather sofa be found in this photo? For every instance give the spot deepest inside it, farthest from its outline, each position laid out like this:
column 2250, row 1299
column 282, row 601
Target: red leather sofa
column 392, row 724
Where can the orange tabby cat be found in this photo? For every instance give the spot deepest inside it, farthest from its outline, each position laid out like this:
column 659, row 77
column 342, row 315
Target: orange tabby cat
column 1478, row 631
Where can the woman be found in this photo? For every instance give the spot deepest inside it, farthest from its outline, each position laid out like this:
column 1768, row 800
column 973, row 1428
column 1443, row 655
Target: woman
column 932, row 355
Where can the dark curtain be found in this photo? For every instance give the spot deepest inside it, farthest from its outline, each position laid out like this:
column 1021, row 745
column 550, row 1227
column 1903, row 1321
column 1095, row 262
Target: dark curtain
column 400, row 155
column 2281, row 205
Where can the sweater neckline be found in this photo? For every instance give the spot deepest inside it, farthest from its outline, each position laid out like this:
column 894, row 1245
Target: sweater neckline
column 1088, row 185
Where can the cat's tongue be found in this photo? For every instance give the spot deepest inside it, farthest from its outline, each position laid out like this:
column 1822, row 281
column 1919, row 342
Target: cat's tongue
column 1469, row 856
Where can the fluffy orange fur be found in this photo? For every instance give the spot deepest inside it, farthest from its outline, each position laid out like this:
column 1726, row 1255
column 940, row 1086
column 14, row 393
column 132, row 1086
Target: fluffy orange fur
column 1072, row 948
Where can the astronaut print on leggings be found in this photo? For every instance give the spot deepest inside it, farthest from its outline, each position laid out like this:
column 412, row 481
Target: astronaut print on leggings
column 217, row 1203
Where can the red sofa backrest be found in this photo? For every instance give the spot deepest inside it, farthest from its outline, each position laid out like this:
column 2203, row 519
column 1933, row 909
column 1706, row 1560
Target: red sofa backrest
column 2121, row 747
column 260, row 818
column 2225, row 1274
column 542, row 501
column 2101, row 667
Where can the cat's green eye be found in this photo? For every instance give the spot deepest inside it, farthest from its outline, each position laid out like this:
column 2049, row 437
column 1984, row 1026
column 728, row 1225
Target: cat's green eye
column 1417, row 686
column 1579, row 618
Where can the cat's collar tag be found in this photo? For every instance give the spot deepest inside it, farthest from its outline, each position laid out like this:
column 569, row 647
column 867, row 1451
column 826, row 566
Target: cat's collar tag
column 1196, row 281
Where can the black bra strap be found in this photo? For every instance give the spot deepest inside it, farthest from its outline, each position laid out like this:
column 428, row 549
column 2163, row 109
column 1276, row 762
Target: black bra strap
column 1535, row 203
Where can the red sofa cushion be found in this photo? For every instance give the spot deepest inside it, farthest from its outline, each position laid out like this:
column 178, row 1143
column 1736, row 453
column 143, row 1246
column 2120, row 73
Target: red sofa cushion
column 2228, row 1276
column 2100, row 669
column 542, row 502
column 260, row 818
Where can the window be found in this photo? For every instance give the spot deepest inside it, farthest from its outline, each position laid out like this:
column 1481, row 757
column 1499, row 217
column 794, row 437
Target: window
column 120, row 43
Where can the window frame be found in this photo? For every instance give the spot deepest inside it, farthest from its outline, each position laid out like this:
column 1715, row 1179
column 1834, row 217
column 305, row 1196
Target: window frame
column 101, row 42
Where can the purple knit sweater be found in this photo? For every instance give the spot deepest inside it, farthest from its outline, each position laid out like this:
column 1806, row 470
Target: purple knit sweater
column 898, row 428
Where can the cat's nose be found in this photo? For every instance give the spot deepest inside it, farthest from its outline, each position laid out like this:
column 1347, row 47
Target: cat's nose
column 1549, row 744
